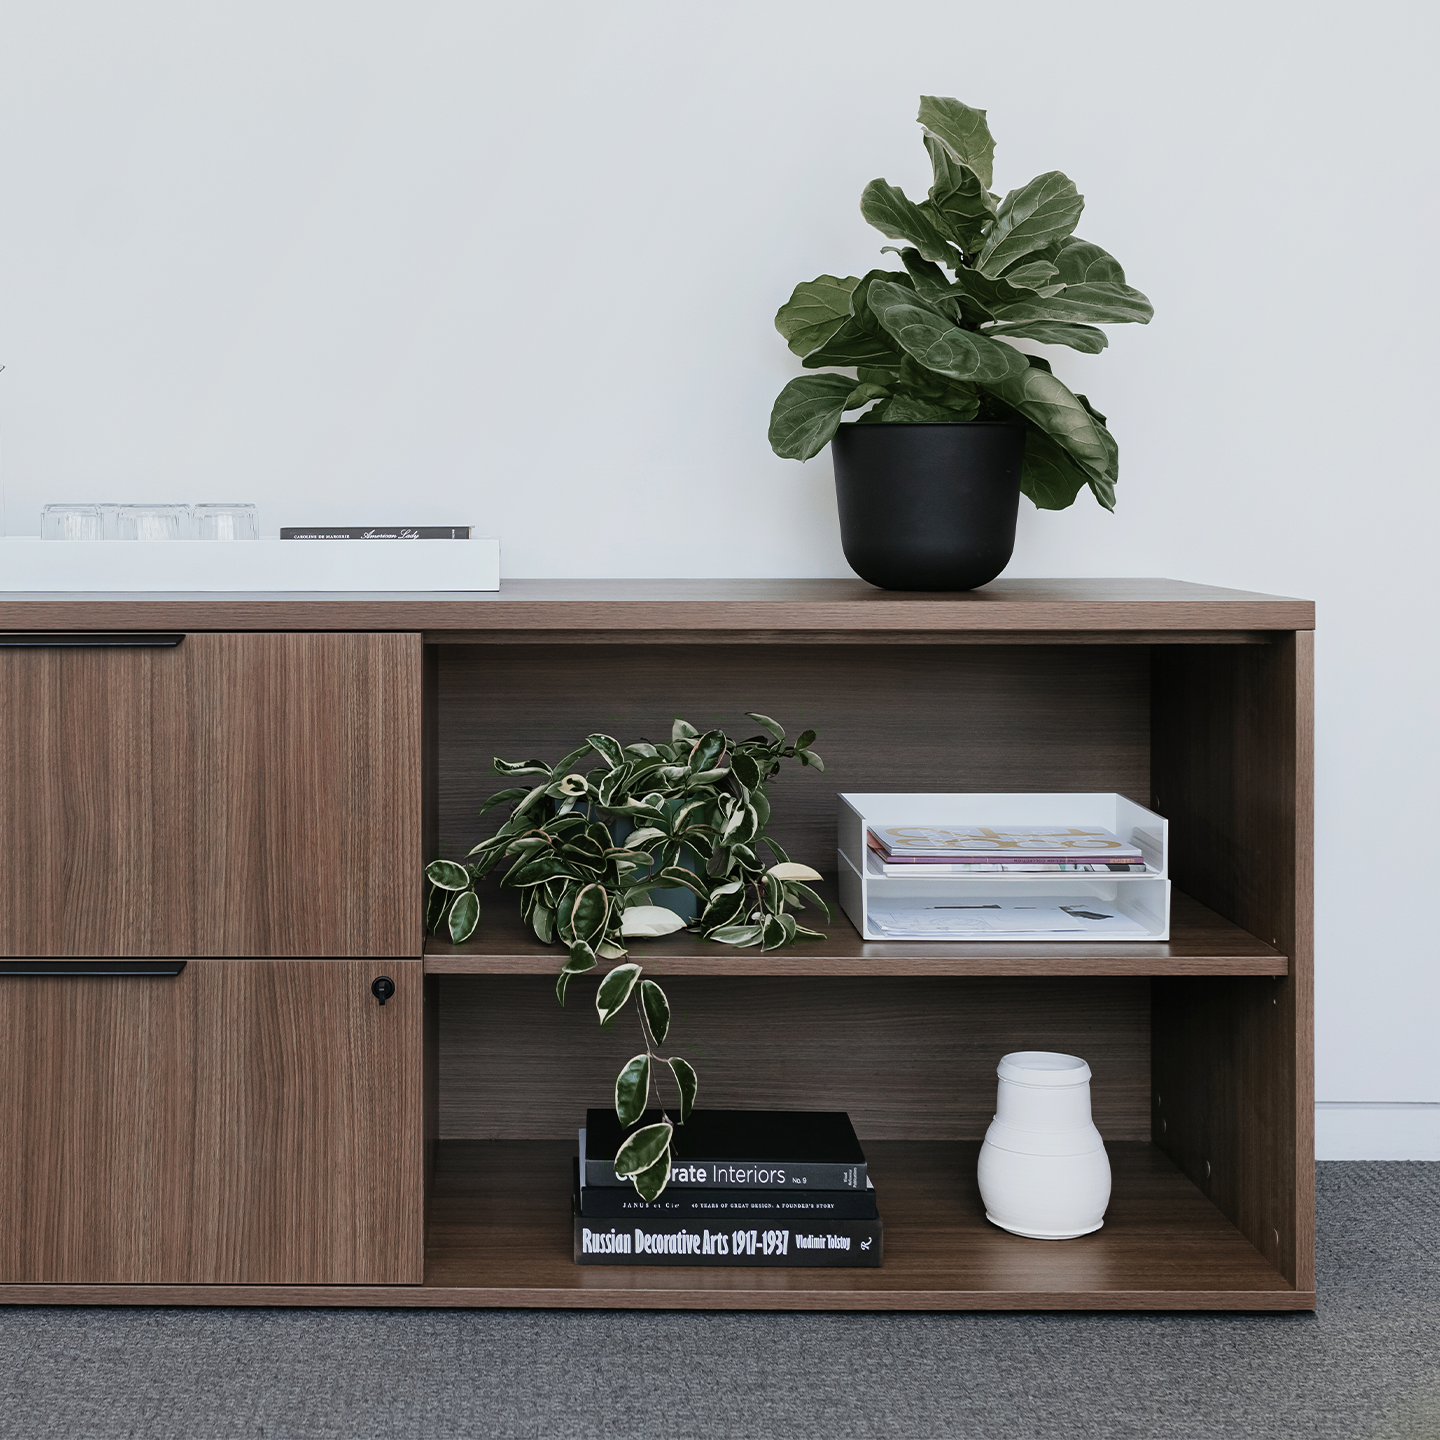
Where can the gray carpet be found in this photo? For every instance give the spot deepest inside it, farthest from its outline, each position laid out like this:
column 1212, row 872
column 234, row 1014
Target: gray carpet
column 1367, row 1367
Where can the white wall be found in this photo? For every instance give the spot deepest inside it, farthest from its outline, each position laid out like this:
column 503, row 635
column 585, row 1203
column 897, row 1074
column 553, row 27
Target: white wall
column 366, row 261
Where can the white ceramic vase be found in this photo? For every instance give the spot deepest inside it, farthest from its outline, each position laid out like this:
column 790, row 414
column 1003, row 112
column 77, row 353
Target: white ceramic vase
column 1043, row 1168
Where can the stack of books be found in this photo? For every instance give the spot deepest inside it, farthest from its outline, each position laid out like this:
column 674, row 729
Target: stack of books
column 935, row 851
column 747, row 1187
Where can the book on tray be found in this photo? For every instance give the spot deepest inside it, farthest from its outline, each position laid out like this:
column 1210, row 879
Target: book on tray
column 938, row 851
column 374, row 532
column 747, row 1187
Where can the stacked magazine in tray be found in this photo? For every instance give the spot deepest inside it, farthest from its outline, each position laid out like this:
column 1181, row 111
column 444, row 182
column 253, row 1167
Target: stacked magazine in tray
column 1003, row 867
column 747, row 1187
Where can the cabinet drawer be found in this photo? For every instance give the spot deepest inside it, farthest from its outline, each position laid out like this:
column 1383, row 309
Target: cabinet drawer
column 217, row 794
column 242, row 1122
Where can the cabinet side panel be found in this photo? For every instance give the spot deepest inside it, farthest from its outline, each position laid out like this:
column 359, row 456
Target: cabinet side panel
column 1232, row 768
column 307, row 793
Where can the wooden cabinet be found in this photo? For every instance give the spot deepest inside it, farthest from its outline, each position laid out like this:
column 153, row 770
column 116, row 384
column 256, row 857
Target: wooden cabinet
column 262, row 1132
column 211, row 794
column 245, row 1122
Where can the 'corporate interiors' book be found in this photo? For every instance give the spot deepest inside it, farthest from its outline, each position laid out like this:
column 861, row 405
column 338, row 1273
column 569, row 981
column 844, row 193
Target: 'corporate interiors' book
column 753, row 1207
column 739, row 1150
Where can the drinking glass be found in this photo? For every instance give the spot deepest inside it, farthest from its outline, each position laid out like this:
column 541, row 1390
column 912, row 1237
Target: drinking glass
column 153, row 522
column 71, row 522
column 110, row 517
column 226, row 522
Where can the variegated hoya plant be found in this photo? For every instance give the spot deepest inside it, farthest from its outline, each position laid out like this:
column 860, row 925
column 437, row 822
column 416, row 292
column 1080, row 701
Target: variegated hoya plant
column 927, row 346
column 585, row 850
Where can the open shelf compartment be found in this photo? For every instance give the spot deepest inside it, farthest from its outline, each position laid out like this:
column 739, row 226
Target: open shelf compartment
column 1200, row 1041
column 500, row 1223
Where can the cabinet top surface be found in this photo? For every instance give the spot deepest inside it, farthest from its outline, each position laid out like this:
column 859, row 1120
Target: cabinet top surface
column 685, row 606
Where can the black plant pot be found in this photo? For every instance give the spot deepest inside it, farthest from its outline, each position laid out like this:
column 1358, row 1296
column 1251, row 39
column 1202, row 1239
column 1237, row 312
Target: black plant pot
column 928, row 506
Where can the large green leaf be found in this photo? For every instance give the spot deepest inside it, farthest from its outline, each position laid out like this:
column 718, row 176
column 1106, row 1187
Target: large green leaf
column 650, row 1183
column 1085, row 338
column 774, row 727
column 615, row 990
column 806, row 414
column 632, row 1090
column 982, row 298
column 608, row 748
column 963, row 131
column 962, row 207
column 1030, row 218
column 1100, row 302
column 501, row 796
column 657, row 1010
column 447, row 875
column 464, row 916
column 927, row 277
column 1048, row 476
column 860, row 340
column 740, row 935
column 814, row 312
column 540, row 871
column 1081, row 263
column 905, row 408
column 1048, row 405
column 892, row 213
column 1037, row 275
column 643, row 1149
column 921, row 394
column 937, row 344
column 520, row 767
column 688, row 1084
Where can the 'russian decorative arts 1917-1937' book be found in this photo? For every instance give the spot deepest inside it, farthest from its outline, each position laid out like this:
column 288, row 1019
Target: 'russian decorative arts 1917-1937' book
column 727, row 1242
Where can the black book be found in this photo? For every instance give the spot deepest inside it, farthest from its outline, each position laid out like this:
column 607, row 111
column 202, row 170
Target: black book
column 738, row 1150
column 374, row 532
column 733, row 1207
column 782, row 1244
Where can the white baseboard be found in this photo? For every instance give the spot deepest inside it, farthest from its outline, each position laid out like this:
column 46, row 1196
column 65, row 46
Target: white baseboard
column 1377, row 1130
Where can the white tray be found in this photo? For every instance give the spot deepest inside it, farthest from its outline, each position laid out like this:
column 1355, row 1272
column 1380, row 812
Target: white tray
column 33, row 565
column 1139, row 904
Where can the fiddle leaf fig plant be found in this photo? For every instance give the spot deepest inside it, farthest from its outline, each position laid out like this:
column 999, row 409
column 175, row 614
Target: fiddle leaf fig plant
column 932, row 341
column 585, row 850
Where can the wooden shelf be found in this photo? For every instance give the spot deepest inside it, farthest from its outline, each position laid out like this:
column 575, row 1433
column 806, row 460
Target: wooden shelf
column 1202, row 943
column 500, row 1234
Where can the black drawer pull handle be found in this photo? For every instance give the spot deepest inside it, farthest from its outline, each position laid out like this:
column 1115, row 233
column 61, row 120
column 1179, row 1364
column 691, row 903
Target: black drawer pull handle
column 120, row 640
column 91, row 967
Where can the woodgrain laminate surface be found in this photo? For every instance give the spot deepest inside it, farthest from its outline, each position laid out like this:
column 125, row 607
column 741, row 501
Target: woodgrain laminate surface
column 908, row 1059
column 500, row 1235
column 501, row 1219
column 237, row 794
column 1201, row 943
column 686, row 605
column 890, row 718
column 246, row 1121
